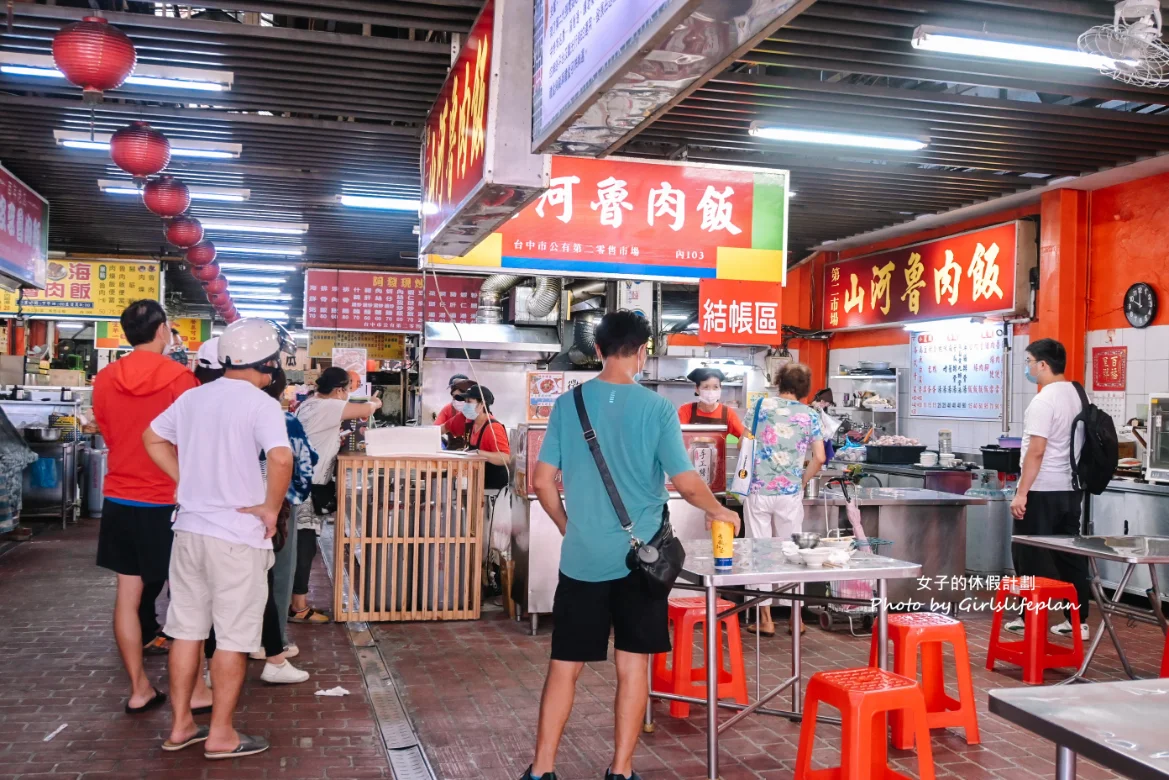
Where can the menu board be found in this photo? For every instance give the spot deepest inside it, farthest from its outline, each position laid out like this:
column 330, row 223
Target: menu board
column 378, row 346
column 544, row 387
column 958, row 372
column 24, row 231
column 385, row 302
column 87, row 290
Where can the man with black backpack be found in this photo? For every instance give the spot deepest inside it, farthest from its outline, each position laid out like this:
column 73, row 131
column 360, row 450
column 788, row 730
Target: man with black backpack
column 1049, row 495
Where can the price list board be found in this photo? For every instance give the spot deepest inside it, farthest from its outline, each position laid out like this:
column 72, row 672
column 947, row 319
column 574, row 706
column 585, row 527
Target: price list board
column 385, row 302
column 957, row 372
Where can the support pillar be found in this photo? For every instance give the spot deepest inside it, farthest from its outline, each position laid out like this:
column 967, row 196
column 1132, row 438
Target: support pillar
column 1062, row 303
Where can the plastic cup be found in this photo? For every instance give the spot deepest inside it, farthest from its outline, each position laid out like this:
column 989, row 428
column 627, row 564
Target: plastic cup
column 722, row 540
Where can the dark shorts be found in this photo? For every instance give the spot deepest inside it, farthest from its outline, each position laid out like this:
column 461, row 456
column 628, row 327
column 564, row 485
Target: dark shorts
column 585, row 612
column 135, row 540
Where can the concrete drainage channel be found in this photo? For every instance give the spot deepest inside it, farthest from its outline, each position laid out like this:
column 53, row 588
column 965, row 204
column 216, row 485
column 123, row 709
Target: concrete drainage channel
column 407, row 759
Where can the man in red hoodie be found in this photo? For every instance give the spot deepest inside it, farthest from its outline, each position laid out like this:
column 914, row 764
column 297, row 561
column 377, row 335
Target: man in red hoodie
column 135, row 537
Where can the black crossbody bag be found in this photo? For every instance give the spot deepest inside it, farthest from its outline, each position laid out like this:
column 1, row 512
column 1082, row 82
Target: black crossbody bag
column 660, row 559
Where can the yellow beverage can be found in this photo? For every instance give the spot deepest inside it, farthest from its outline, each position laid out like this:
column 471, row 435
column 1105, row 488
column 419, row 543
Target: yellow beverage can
column 722, row 541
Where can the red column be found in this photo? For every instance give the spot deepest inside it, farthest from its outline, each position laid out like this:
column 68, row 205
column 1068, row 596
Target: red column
column 1062, row 305
column 801, row 308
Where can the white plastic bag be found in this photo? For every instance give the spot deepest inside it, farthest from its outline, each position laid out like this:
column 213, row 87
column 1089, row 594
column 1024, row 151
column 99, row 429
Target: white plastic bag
column 745, row 465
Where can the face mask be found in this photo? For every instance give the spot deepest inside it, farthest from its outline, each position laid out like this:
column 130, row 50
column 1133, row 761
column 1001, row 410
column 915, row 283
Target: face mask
column 276, row 387
column 1029, row 376
column 471, row 410
column 709, row 396
column 639, row 373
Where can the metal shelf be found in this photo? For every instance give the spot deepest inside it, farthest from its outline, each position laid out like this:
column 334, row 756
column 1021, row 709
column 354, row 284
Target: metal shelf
column 866, row 377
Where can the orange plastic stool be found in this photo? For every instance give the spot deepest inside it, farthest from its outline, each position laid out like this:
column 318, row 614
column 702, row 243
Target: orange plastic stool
column 1036, row 652
column 925, row 633
column 863, row 696
column 685, row 679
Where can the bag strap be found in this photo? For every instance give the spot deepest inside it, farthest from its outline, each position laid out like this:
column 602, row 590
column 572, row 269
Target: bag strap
column 595, row 448
column 755, row 422
column 693, row 412
column 1080, row 419
column 724, row 415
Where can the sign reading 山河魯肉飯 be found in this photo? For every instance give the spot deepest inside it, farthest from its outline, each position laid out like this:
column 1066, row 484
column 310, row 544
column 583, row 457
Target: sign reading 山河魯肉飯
column 86, row 290
column 977, row 273
column 635, row 219
column 24, row 232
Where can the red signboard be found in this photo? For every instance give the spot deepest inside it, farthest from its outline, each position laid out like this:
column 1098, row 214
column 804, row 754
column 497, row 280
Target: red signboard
column 389, row 302
column 1109, row 368
column 969, row 274
column 456, row 130
column 731, row 312
column 24, row 231
column 644, row 220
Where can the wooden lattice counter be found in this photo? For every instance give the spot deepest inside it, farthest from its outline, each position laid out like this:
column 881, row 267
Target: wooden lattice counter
column 409, row 540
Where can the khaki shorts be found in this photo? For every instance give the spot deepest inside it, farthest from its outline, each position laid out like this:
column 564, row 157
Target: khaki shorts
column 220, row 583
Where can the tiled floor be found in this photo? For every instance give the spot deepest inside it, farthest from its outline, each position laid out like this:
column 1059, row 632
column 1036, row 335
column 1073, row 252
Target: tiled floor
column 58, row 665
column 473, row 689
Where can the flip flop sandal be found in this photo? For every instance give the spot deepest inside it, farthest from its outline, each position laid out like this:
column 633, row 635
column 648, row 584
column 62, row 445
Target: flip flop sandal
column 248, row 746
column 157, row 701
column 201, row 710
column 310, row 615
column 753, row 628
column 200, row 735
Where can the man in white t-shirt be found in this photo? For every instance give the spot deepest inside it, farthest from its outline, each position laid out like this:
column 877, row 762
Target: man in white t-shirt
column 1046, row 504
column 209, row 441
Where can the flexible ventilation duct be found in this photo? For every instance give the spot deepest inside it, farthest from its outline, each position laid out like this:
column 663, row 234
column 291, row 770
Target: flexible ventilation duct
column 584, row 343
column 544, row 297
column 491, row 296
column 582, row 291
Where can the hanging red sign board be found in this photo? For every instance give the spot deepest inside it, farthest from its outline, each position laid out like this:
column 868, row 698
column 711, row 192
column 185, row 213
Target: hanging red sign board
column 387, row 302
column 24, row 232
column 1109, row 368
column 731, row 312
column 978, row 273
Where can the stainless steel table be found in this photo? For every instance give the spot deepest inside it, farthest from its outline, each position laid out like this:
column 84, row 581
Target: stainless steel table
column 1120, row 725
column 761, row 562
column 1131, row 550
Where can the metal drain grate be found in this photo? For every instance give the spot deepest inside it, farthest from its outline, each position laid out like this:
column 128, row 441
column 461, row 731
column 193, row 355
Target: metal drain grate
column 395, row 728
column 409, row 764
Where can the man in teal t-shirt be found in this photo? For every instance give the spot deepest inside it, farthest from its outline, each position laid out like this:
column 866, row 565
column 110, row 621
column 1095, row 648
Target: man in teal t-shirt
column 641, row 440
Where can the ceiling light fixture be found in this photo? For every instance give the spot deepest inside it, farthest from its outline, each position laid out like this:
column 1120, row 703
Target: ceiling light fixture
column 179, row 147
column 224, row 194
column 236, row 295
column 238, row 279
column 272, row 307
column 267, row 267
column 145, row 74
column 380, row 203
column 836, row 138
column 245, row 249
column 256, row 226
column 242, row 288
column 1000, row 47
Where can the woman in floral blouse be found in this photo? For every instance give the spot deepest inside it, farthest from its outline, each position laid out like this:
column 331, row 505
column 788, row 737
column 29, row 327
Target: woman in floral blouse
column 786, row 438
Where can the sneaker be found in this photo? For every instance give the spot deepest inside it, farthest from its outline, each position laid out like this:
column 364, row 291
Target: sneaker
column 527, row 775
column 290, row 651
column 1065, row 629
column 632, row 776
column 283, row 674
column 1016, row 626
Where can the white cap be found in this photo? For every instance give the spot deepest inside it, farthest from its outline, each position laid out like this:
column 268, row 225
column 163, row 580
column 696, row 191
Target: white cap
column 208, row 355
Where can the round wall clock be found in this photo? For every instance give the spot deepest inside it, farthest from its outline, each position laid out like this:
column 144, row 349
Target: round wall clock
column 1140, row 305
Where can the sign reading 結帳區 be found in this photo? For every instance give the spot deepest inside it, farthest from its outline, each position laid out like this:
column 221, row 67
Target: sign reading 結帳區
column 981, row 272
column 635, row 219
column 24, row 231
column 731, row 312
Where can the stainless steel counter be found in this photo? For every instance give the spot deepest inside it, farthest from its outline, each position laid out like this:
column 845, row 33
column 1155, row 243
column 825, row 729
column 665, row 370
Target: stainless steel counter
column 895, row 497
column 1129, row 508
column 945, row 480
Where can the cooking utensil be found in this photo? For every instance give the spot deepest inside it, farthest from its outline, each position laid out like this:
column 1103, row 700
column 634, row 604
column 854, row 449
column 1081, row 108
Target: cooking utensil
column 875, row 365
column 42, row 433
column 806, row 540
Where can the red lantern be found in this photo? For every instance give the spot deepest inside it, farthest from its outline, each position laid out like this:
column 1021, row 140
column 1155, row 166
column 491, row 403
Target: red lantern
column 94, row 55
column 220, row 301
column 215, row 286
column 166, row 196
column 140, row 150
column 184, row 232
column 230, row 316
column 205, row 273
column 201, row 254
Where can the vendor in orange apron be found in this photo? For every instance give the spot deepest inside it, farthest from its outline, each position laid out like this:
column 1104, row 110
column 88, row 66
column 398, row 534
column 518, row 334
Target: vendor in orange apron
column 709, row 410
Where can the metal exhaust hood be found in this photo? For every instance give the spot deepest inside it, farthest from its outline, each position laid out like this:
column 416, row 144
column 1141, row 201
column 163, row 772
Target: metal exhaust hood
column 500, row 338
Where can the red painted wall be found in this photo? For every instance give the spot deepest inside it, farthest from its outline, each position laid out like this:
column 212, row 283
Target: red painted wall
column 1128, row 243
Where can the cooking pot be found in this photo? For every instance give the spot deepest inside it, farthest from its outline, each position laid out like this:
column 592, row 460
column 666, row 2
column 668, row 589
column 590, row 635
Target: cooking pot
column 41, row 433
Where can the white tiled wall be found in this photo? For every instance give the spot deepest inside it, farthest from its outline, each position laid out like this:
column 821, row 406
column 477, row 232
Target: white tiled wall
column 968, row 435
column 1148, row 361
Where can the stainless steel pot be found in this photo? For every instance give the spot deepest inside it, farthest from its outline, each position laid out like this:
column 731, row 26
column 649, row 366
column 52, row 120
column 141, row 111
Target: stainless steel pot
column 812, row 489
column 42, row 433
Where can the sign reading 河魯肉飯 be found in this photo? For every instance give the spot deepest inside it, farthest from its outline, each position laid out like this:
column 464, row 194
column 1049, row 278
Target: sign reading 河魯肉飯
column 633, row 219
column 86, row 290
column 978, row 273
column 24, row 231
column 731, row 312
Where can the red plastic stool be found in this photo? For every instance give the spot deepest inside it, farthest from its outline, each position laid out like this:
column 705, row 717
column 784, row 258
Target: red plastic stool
column 863, row 697
column 682, row 677
column 925, row 633
column 1036, row 652
column 1165, row 658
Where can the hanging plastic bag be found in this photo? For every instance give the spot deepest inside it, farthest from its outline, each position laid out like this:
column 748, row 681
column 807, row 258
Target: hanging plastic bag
column 829, row 425
column 745, row 465
column 44, row 473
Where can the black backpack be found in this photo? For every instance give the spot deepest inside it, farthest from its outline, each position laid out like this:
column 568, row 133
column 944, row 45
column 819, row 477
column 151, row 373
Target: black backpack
column 1101, row 451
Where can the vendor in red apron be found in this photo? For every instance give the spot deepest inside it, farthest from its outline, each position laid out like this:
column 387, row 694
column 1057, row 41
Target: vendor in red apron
column 709, row 410
column 487, row 435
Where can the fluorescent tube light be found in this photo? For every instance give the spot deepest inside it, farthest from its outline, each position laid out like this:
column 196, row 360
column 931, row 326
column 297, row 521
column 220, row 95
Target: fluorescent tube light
column 256, row 226
column 244, row 289
column 179, row 147
column 939, row 324
column 273, row 307
column 977, row 44
column 225, row 194
column 145, row 74
column 71, row 325
column 273, row 267
column 835, row 138
column 383, row 204
column 281, row 251
column 234, row 278
column 236, row 295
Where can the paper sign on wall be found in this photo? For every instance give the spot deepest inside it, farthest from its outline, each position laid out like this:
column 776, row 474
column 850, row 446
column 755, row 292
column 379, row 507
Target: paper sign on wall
column 1109, row 368
column 957, row 372
column 544, row 387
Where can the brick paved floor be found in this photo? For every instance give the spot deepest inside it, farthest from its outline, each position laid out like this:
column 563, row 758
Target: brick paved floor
column 472, row 691
column 58, row 664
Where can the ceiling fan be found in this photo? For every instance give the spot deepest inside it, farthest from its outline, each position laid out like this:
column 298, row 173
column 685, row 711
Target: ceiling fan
column 1130, row 49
